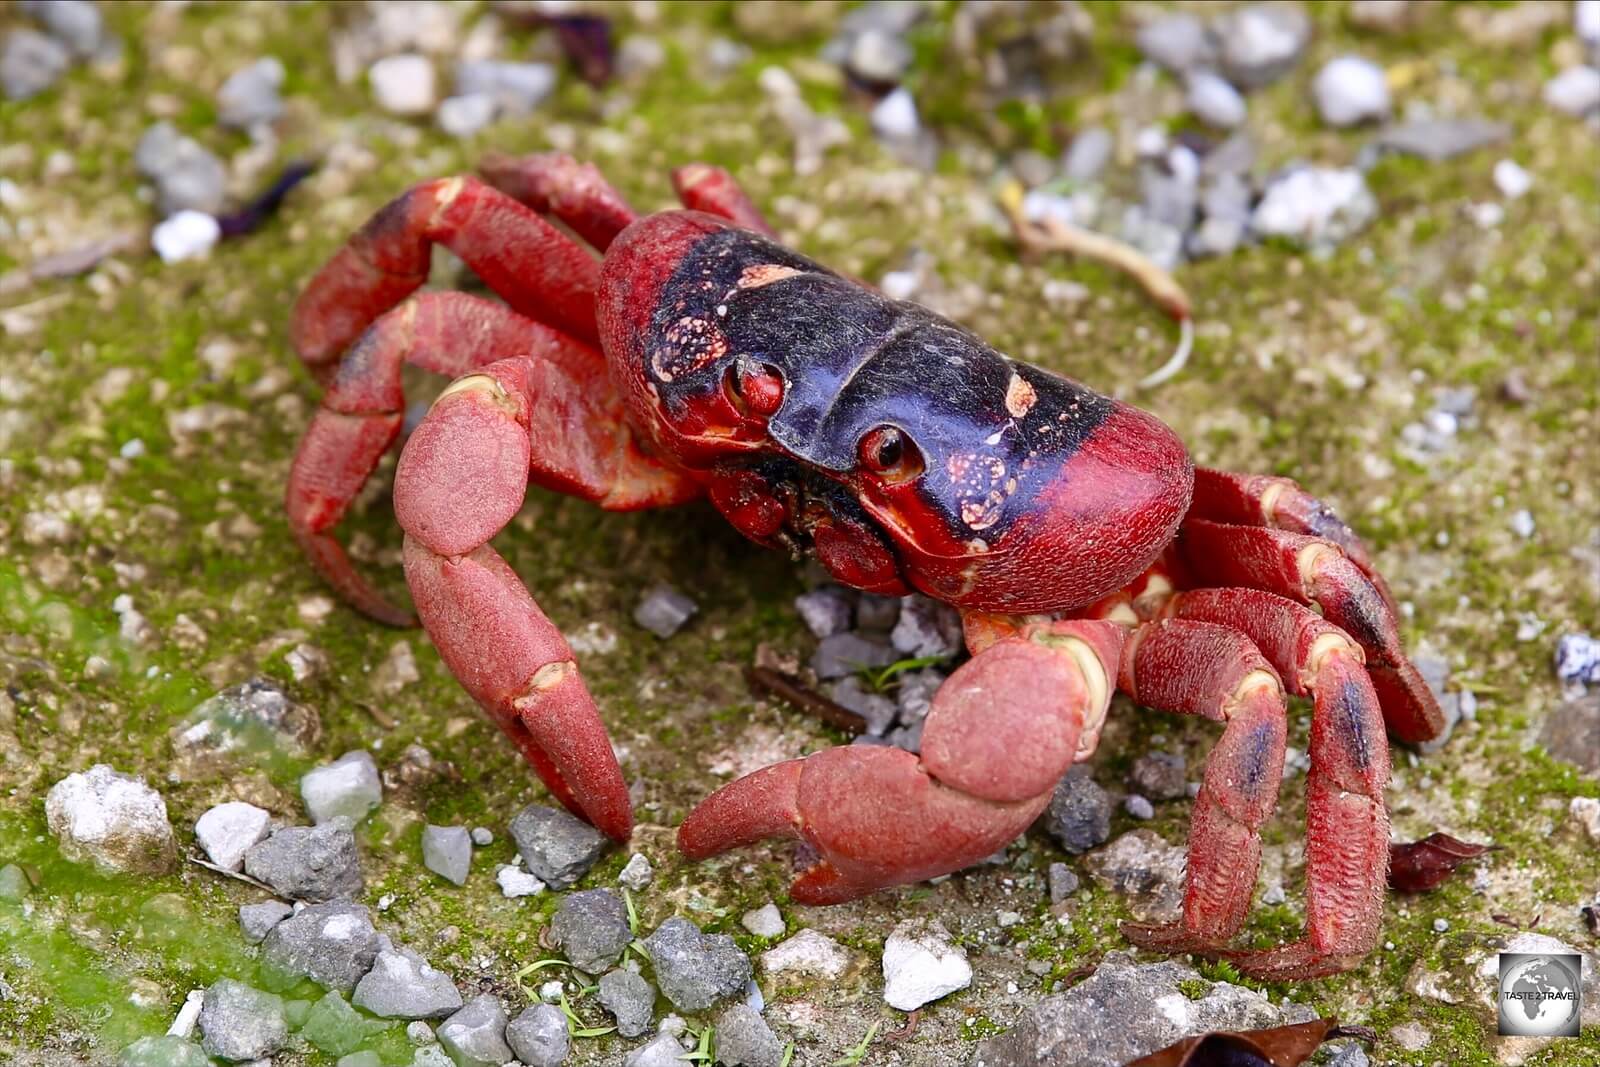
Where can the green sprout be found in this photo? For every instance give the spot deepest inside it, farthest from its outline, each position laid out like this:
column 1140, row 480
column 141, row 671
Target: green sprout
column 855, row 1055
column 576, row 1026
column 702, row 1050
column 878, row 680
column 633, row 915
column 788, row 1055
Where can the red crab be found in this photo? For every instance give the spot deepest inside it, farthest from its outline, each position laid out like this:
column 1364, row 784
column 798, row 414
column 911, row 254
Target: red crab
column 698, row 357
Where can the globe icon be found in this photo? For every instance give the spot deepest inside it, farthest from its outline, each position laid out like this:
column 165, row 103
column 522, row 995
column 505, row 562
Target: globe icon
column 1539, row 997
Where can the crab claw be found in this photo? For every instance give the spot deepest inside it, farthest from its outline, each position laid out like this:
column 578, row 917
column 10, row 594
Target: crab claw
column 998, row 737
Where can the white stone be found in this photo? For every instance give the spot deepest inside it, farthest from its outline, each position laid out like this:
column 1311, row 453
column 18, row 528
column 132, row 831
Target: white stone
column 807, row 954
column 185, row 235
column 404, row 84
column 920, row 965
column 1512, row 181
column 1575, row 90
column 228, row 830
column 1586, row 21
column 1315, row 205
column 113, row 819
column 1351, row 90
column 1522, row 523
column 347, row 788
column 1585, row 812
column 463, row 116
column 1214, row 101
column 765, row 921
column 516, row 882
column 895, row 116
column 637, row 873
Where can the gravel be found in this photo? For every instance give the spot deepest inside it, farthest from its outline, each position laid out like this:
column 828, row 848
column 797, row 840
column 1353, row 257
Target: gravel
column 249, row 98
column 1138, row 807
column 693, row 969
column 75, row 23
column 926, row 627
column 558, row 847
column 403, row 985
column 765, row 921
column 591, row 928
column 1261, row 43
column 30, row 63
column 1575, row 91
column 664, row 611
column 637, row 873
column 878, row 710
column 312, row 863
column 539, row 1036
column 878, row 57
column 227, row 831
column 921, row 964
column 403, row 84
column 254, row 717
column 662, row 1050
column 185, row 235
column 1079, row 816
column 515, row 882
column 1063, row 882
column 825, row 611
column 1179, row 43
column 630, row 999
column 165, row 1051
column 1143, row 867
column 475, row 1035
column 1351, row 90
column 839, row 655
column 877, row 613
column 465, row 115
column 1214, row 101
column 1318, row 207
column 14, row 886
column 186, row 175
column 808, row 954
column 238, row 1022
column 332, row 944
column 1159, row 775
column 1440, row 139
column 447, row 852
column 1088, row 154
column 113, row 820
column 257, row 920
column 1578, row 659
column 516, row 88
column 743, row 1039
column 348, row 788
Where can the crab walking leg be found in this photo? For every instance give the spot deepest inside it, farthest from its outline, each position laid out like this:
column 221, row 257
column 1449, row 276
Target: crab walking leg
column 1197, row 668
column 447, row 333
column 461, row 477
column 1001, row 732
column 554, row 183
column 702, row 187
column 538, row 270
column 1313, row 571
column 1347, row 833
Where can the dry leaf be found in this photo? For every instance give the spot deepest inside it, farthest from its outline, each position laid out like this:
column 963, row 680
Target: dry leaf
column 1280, row 1046
column 1423, row 865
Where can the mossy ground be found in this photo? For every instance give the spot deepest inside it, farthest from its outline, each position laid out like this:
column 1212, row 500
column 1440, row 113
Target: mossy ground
column 1306, row 366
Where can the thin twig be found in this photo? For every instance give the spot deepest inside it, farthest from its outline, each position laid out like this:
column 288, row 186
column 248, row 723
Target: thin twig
column 379, row 716
column 74, row 261
column 908, row 1029
column 237, row 876
column 787, row 688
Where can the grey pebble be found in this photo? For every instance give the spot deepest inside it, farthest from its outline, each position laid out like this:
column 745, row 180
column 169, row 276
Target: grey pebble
column 1079, row 816
column 1351, row 1055
column 1578, row 659
column 1575, row 91
column 839, row 655
column 30, row 63
column 539, row 1036
column 1437, row 139
column 403, row 985
column 1261, row 43
column 663, row 611
column 256, row 715
column 517, row 88
column 1179, row 43
column 1350, row 90
column 874, row 612
column 332, row 944
column 630, row 999
column 662, row 1050
column 693, row 969
column 825, row 611
column 591, row 928
column 877, row 709
column 420, row 1033
column 1159, row 775
column 447, row 852
column 249, row 97
column 313, row 863
column 238, row 1022
column 637, row 873
column 188, row 177
column 482, row 836
column 475, row 1035
column 1063, row 882
column 1088, row 154
column 348, row 788
column 14, row 887
column 364, row 1058
column 257, row 920
column 1214, row 101
column 926, row 627
column 465, row 115
column 745, row 1040
column 75, row 23
column 1139, row 807
column 914, row 696
column 879, row 58
column 558, row 847
column 163, row 1051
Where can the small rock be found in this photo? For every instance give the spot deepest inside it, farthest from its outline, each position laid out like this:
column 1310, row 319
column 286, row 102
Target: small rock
column 14, row 886
column 1138, row 807
column 516, row 88
column 1352, row 1054
column 630, row 999
column 765, row 921
column 894, row 118
column 187, row 177
column 539, row 1036
column 1262, row 42
column 314, row 863
column 1439, row 139
column 420, row 1033
column 30, row 63
column 637, row 873
column 1351, row 90
column 877, row 613
column 364, row 1058
column 228, row 830
column 693, row 969
column 1413, row 1037
column 249, row 97
column 1522, row 523
column 876, row 709
column 1585, row 811
column 1146, row 869
column 844, row 654
column 1088, row 154
column 1079, row 816
column 745, row 1040
column 1063, row 882
column 516, row 882
column 663, row 611
column 1215, row 102
column 185, row 235
column 332, row 944
column 447, row 852
column 165, row 1051
column 403, row 985
column 662, row 1050
column 920, row 965
column 463, row 116
column 1180, row 43
column 113, row 820
column 1586, row 22
column 1575, row 91
column 75, row 23
column 808, row 954
column 925, row 628
column 482, row 836
column 254, row 717
column 1316, row 206
column 475, row 1035
column 403, row 84
column 879, row 58
column 348, row 788
column 1578, row 659
column 591, row 927
column 257, row 920
column 557, row 846
column 825, row 611
column 241, row 1023
column 914, row 696
column 1159, row 775
column 1512, row 181
column 416, row 769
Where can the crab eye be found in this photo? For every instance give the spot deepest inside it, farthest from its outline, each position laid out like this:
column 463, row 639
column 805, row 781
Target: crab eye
column 890, row 454
column 754, row 389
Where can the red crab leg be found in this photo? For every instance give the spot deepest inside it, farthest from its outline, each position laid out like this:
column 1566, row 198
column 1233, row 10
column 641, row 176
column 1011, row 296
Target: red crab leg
column 702, row 187
column 539, row 271
column 1197, row 668
column 448, row 333
column 1347, row 833
column 1313, row 571
column 556, row 184
column 1002, row 730
column 461, row 477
